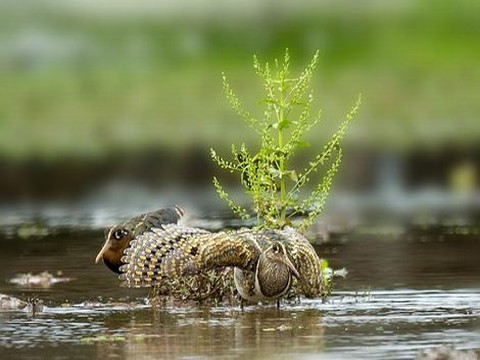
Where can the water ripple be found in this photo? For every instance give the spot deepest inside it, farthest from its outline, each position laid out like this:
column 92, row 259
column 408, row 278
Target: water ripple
column 390, row 323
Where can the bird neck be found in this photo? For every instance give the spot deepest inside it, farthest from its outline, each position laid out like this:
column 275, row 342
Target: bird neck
column 112, row 258
column 114, row 266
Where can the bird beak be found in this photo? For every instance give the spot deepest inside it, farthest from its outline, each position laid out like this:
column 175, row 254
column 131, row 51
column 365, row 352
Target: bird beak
column 101, row 252
column 291, row 267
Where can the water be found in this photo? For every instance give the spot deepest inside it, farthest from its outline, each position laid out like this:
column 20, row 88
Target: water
column 402, row 294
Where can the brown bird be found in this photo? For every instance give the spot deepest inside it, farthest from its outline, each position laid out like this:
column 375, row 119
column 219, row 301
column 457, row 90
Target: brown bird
column 284, row 253
column 272, row 277
column 265, row 261
column 118, row 237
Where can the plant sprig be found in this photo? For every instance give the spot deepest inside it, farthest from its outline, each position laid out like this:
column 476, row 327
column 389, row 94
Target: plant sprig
column 268, row 175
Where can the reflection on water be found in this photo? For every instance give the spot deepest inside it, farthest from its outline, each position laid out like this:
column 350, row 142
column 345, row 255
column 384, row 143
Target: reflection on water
column 392, row 323
column 400, row 296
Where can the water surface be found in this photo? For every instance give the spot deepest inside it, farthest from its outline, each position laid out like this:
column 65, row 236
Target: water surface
column 402, row 294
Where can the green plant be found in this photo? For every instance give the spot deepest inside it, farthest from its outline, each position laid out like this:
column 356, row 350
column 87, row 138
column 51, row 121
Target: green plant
column 276, row 187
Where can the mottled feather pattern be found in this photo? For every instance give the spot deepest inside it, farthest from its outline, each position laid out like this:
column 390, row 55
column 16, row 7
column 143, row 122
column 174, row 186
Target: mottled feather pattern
column 175, row 251
column 155, row 219
column 232, row 248
column 273, row 270
column 161, row 253
column 307, row 263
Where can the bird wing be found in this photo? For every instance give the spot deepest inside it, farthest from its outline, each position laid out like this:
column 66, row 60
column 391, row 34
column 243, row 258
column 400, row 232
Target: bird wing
column 165, row 252
column 307, row 264
column 144, row 222
column 176, row 251
column 154, row 219
column 230, row 248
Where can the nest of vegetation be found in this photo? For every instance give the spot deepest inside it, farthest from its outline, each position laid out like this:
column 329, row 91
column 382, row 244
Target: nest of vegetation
column 214, row 287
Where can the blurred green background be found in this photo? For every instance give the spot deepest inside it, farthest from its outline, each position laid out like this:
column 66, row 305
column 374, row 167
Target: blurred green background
column 94, row 82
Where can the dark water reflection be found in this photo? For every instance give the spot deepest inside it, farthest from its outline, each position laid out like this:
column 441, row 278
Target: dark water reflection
column 401, row 295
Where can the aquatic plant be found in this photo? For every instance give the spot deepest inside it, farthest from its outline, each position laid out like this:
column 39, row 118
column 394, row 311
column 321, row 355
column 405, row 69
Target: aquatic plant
column 276, row 187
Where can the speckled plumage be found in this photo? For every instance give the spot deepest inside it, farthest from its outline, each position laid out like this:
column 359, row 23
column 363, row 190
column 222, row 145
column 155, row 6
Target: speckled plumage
column 176, row 251
column 307, row 263
column 265, row 260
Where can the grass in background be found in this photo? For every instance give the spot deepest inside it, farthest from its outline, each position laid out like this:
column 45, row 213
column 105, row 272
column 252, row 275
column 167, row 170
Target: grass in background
column 91, row 81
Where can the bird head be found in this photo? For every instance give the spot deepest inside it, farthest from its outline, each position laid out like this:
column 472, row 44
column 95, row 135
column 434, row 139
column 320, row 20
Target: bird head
column 278, row 253
column 117, row 239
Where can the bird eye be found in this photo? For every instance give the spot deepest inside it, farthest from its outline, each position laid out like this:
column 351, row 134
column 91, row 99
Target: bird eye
column 276, row 248
column 119, row 233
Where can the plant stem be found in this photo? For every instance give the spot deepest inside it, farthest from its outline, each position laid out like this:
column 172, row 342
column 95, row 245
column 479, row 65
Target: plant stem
column 281, row 163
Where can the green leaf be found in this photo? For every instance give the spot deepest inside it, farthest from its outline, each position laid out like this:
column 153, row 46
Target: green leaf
column 284, row 124
column 323, row 264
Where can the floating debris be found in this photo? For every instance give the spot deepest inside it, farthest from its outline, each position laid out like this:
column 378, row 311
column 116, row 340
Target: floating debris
column 35, row 306
column 35, row 230
column 449, row 353
column 343, row 272
column 117, row 305
column 10, row 303
column 31, row 306
column 103, row 339
column 43, row 280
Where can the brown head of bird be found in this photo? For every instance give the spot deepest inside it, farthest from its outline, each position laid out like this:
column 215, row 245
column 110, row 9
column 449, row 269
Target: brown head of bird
column 117, row 240
column 118, row 237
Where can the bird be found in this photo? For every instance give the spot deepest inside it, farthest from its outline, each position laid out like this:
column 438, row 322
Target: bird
column 265, row 261
column 271, row 278
column 119, row 236
column 287, row 259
